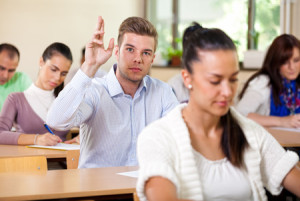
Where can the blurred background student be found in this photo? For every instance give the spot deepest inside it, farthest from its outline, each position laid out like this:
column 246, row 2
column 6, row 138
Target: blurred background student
column 205, row 149
column 27, row 110
column 10, row 80
column 271, row 97
column 181, row 92
column 99, row 73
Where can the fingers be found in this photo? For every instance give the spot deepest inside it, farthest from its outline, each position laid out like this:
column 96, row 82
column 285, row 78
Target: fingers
column 111, row 45
column 294, row 121
column 48, row 139
column 100, row 25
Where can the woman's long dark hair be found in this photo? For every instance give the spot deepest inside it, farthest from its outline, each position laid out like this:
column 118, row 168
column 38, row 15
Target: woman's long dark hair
column 195, row 39
column 280, row 51
column 53, row 49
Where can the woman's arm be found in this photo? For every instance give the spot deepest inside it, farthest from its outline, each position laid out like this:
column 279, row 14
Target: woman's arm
column 292, row 181
column 46, row 139
column 160, row 189
column 292, row 121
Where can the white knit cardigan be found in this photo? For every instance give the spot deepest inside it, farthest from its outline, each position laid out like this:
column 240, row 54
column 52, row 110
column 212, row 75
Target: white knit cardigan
column 164, row 149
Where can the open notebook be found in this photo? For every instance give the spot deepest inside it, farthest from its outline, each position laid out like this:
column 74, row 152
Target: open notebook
column 59, row 146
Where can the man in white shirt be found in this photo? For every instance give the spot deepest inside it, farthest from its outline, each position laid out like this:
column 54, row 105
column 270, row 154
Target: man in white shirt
column 112, row 110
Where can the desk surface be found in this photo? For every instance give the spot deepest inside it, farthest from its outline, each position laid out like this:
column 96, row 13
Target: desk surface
column 286, row 138
column 17, row 150
column 74, row 183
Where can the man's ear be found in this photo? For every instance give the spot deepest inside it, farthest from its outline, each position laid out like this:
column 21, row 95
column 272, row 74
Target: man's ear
column 153, row 58
column 186, row 77
column 117, row 52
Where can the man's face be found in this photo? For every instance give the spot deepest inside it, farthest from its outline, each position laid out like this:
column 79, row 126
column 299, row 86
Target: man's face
column 8, row 67
column 135, row 56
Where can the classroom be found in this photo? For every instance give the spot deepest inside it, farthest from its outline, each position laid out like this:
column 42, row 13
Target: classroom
column 139, row 100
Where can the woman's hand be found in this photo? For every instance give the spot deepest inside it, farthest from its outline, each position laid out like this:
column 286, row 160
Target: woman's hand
column 292, row 121
column 47, row 139
column 74, row 140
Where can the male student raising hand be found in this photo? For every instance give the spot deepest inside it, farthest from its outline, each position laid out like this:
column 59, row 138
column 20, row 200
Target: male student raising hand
column 112, row 110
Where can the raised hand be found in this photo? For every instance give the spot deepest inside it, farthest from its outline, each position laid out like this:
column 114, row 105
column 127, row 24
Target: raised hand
column 95, row 53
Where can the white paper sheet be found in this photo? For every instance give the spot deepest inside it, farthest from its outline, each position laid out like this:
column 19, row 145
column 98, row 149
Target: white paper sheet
column 60, row 146
column 130, row 174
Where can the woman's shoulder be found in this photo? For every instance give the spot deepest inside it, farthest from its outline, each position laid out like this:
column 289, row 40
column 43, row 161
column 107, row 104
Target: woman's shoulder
column 260, row 81
column 16, row 96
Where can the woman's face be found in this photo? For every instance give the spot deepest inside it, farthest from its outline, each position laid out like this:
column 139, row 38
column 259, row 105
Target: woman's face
column 291, row 68
column 214, row 81
column 53, row 72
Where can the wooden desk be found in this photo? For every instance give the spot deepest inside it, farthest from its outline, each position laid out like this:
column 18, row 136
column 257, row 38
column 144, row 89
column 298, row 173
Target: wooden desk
column 74, row 183
column 70, row 157
column 286, row 138
column 17, row 150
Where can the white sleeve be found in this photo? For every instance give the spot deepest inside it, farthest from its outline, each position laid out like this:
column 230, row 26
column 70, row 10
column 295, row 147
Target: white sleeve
column 73, row 105
column 276, row 162
column 256, row 95
column 155, row 158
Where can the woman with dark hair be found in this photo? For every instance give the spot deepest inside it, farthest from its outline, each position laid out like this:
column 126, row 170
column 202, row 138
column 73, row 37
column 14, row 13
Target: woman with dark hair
column 271, row 97
column 206, row 150
column 27, row 110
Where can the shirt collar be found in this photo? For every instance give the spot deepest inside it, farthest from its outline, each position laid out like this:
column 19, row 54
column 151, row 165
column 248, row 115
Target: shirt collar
column 114, row 86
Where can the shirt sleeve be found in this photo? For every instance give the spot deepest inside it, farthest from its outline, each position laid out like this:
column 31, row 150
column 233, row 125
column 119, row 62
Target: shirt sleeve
column 7, row 117
column 74, row 104
column 276, row 162
column 254, row 96
column 169, row 100
column 155, row 158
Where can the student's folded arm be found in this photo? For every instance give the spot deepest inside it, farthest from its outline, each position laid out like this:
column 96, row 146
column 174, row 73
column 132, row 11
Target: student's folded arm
column 74, row 104
column 292, row 121
column 267, row 121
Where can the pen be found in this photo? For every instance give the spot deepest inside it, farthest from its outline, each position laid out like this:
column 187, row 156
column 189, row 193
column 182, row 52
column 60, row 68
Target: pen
column 47, row 127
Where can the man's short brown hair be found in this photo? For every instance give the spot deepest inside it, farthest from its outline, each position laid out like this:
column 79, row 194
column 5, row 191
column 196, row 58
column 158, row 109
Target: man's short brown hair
column 139, row 26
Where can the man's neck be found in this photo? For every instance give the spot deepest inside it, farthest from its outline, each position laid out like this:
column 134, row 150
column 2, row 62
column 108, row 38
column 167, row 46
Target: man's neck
column 129, row 87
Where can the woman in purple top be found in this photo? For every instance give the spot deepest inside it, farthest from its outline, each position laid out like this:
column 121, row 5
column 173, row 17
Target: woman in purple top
column 26, row 111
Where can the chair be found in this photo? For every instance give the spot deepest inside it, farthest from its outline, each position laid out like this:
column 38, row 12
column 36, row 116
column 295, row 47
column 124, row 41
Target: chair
column 72, row 159
column 23, row 164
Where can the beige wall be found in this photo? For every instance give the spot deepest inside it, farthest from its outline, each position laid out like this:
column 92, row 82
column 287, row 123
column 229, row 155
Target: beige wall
column 32, row 25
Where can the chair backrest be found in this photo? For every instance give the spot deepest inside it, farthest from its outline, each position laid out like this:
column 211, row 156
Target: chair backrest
column 73, row 159
column 23, row 164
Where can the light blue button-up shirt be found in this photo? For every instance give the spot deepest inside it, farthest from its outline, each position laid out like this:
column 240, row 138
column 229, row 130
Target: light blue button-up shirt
column 109, row 119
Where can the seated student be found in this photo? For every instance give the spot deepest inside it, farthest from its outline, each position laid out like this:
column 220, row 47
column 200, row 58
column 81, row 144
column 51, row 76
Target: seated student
column 181, row 92
column 10, row 80
column 271, row 97
column 112, row 110
column 206, row 150
column 27, row 110
column 72, row 72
